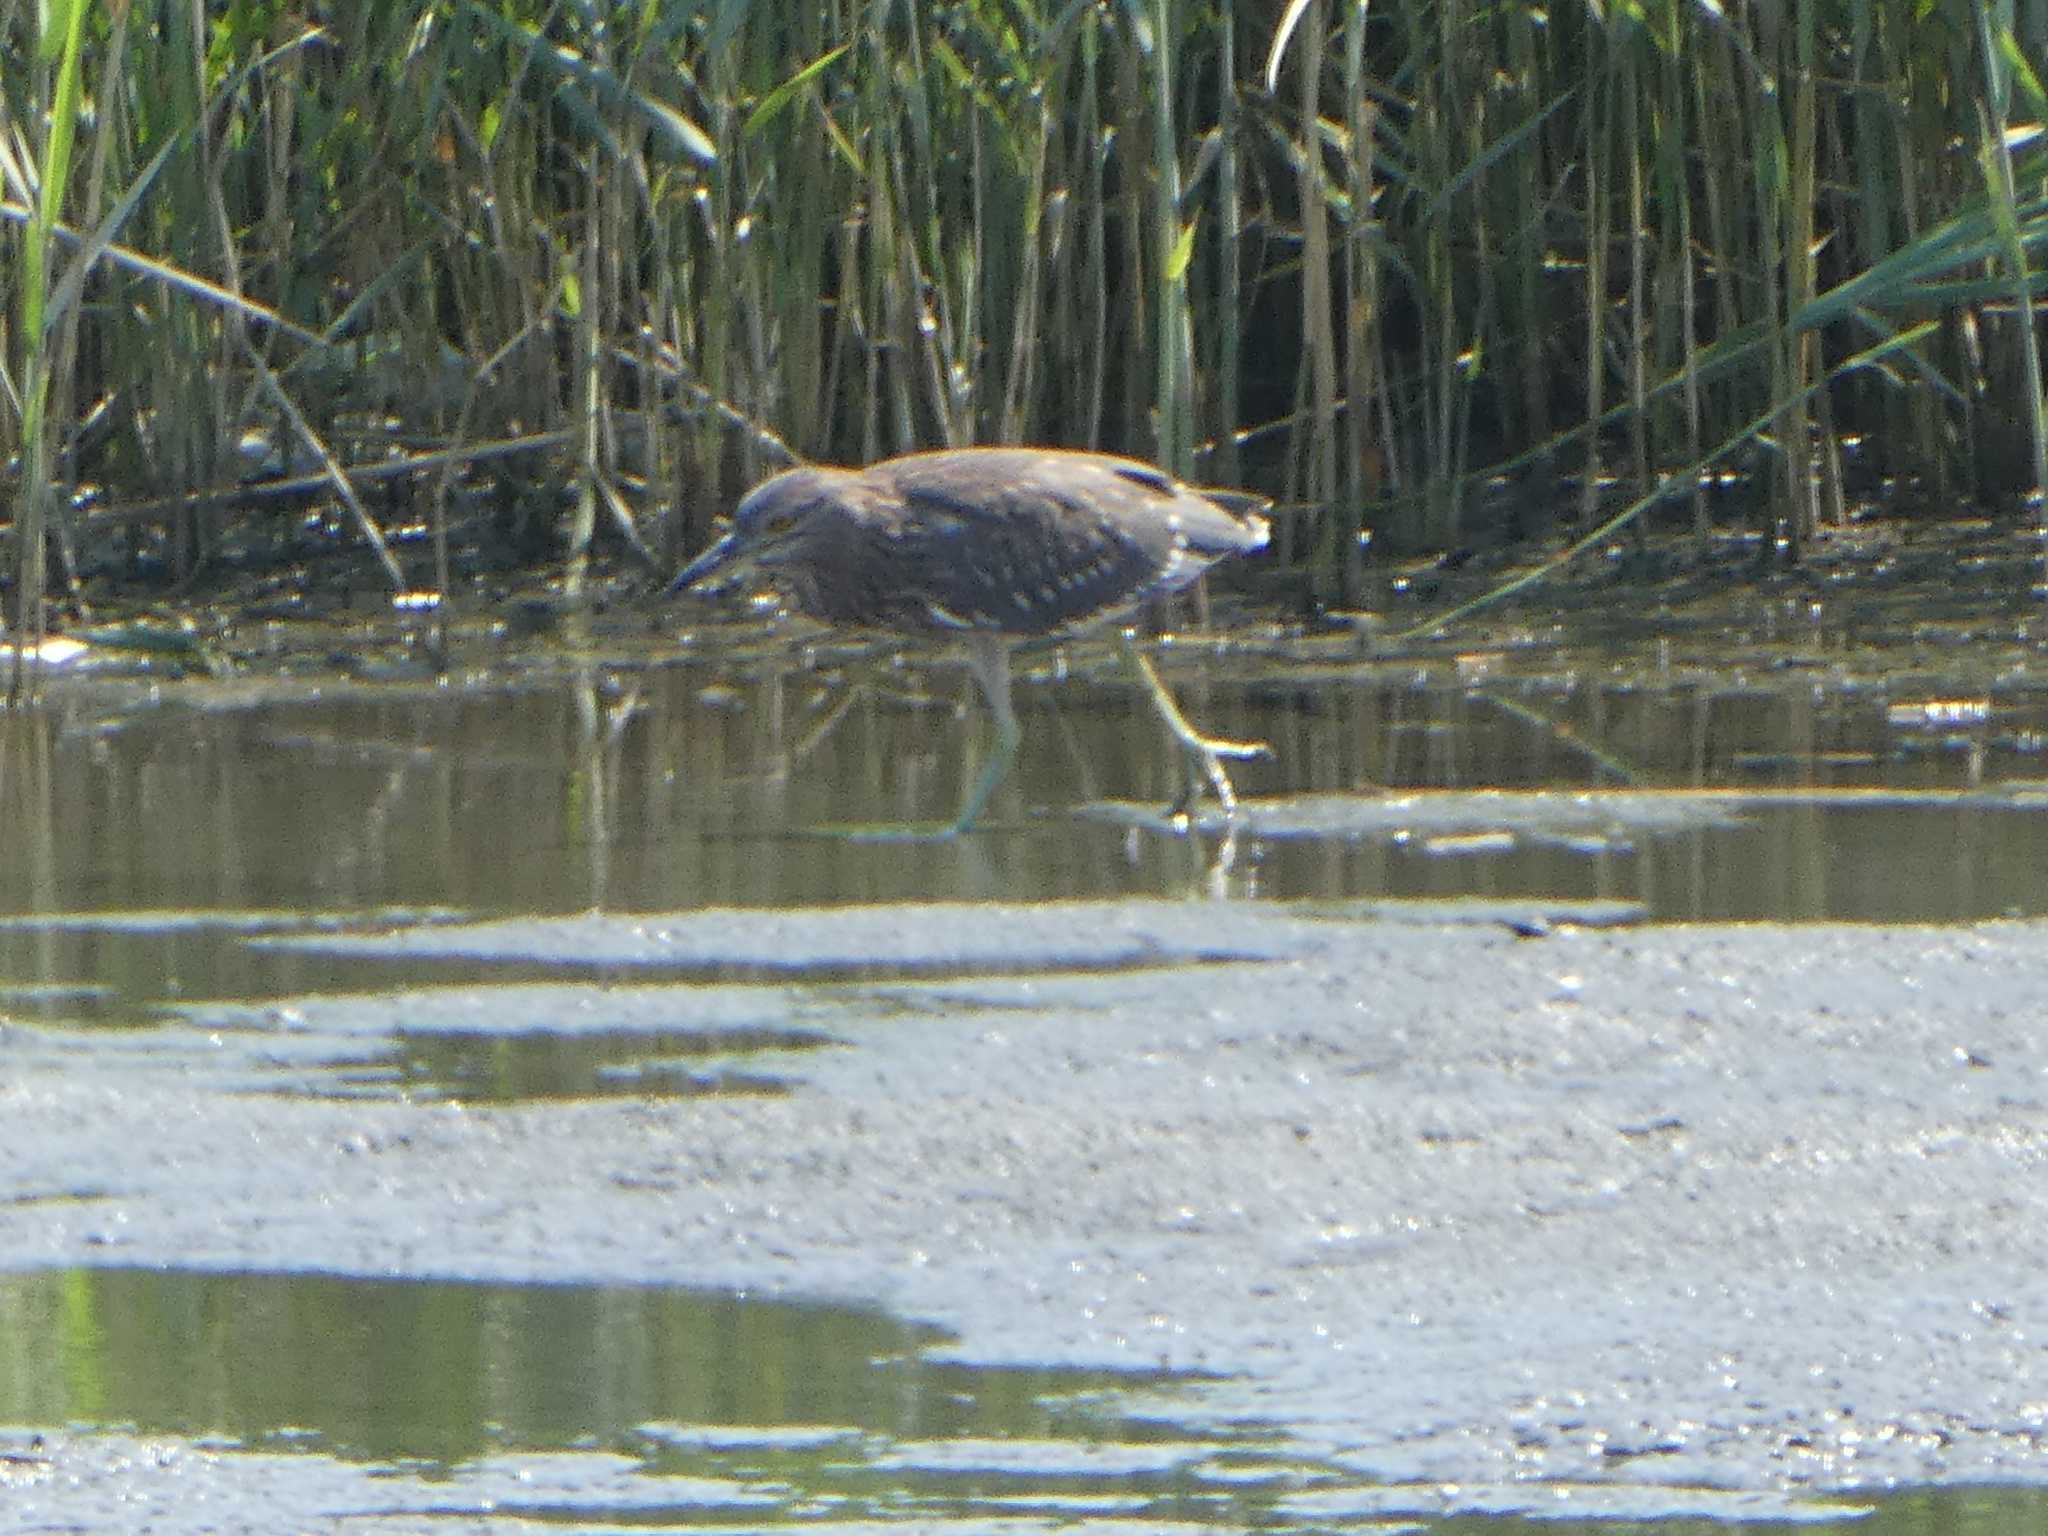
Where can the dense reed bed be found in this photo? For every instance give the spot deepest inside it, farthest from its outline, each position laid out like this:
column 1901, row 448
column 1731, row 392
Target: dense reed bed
column 1428, row 271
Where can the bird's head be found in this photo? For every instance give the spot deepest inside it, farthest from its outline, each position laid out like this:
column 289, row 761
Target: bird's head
column 768, row 519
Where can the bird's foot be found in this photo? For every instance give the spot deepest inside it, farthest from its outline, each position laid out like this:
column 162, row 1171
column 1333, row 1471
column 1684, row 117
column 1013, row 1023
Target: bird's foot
column 1207, row 754
column 1238, row 751
column 1198, row 751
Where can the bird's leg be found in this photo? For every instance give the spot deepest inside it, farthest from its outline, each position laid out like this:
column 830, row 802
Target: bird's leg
column 1206, row 751
column 989, row 657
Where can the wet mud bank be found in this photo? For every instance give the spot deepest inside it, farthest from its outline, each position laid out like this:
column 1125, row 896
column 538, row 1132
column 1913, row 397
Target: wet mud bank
column 1738, row 1207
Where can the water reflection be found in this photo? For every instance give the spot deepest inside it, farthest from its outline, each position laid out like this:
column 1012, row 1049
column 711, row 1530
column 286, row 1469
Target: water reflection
column 526, row 1067
column 508, row 1404
column 419, row 1371
column 665, row 787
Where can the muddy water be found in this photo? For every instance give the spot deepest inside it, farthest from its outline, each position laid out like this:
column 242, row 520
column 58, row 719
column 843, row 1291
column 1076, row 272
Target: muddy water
column 176, row 858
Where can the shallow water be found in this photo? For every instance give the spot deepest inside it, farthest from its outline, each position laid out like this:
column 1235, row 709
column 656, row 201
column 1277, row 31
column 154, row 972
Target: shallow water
column 666, row 787
column 572, row 1405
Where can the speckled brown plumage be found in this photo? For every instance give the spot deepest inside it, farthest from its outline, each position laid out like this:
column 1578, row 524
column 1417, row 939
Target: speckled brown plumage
column 1014, row 541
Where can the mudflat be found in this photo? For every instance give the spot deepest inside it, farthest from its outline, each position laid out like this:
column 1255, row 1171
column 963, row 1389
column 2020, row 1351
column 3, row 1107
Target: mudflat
column 1471, row 1200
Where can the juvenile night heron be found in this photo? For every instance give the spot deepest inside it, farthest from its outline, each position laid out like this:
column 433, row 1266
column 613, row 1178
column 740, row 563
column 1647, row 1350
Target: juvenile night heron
column 993, row 546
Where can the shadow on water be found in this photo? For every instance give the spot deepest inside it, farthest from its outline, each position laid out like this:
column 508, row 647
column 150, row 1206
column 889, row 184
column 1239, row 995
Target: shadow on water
column 570, row 1404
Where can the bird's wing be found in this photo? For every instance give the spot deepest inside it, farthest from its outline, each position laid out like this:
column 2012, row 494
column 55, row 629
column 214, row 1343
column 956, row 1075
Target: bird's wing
column 1146, row 477
column 1029, row 555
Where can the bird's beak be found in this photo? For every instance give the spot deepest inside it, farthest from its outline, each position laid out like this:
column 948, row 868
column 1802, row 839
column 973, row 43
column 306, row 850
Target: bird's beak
column 720, row 555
